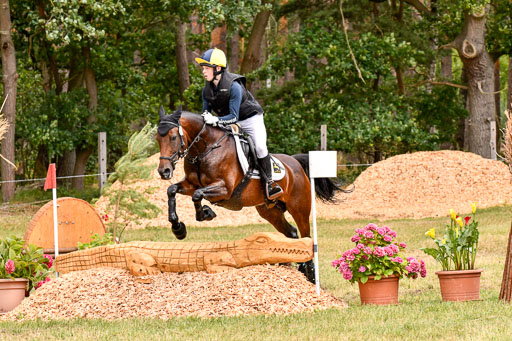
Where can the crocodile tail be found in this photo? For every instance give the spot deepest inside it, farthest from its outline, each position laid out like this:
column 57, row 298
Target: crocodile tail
column 107, row 256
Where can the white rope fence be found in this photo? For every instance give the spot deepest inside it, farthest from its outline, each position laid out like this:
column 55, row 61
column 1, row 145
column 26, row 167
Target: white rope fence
column 59, row 177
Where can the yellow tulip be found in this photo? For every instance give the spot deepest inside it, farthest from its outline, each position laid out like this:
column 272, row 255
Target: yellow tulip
column 473, row 207
column 443, row 241
column 456, row 232
column 431, row 233
column 459, row 221
column 452, row 214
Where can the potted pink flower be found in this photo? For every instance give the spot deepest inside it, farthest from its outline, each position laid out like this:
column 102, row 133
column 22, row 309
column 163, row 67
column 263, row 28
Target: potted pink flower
column 376, row 263
column 22, row 268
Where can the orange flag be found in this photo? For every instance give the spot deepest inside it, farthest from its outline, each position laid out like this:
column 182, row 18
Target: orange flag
column 51, row 178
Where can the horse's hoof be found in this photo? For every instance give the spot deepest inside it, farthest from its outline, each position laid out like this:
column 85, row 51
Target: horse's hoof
column 308, row 269
column 179, row 230
column 205, row 213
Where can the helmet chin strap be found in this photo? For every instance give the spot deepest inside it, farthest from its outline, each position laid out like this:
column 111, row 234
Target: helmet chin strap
column 216, row 73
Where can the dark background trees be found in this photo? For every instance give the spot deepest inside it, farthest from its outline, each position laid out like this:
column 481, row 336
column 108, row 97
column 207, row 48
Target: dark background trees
column 387, row 77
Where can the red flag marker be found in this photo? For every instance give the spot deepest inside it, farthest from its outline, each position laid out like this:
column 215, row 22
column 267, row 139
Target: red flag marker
column 51, row 178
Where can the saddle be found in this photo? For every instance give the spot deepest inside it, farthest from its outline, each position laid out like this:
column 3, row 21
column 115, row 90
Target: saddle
column 246, row 155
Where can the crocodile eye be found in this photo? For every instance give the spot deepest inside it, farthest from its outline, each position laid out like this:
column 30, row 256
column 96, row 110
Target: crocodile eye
column 261, row 240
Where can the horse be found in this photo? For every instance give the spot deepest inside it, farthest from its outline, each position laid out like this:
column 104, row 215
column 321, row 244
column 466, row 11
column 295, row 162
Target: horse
column 212, row 172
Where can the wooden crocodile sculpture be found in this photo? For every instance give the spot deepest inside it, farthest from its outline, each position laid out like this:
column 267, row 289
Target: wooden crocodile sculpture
column 146, row 258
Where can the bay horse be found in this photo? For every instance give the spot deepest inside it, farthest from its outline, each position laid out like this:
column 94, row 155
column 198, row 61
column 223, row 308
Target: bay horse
column 213, row 172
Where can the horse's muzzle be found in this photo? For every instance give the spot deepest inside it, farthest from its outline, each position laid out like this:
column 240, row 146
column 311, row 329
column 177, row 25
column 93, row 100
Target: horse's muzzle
column 165, row 173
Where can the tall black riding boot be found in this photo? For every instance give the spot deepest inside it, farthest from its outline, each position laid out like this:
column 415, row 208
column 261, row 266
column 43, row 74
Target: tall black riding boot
column 272, row 189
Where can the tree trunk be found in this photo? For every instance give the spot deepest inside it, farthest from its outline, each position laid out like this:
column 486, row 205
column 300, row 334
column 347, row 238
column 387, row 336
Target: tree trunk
column 234, row 52
column 66, row 166
column 400, row 80
column 251, row 59
column 181, row 56
column 446, row 66
column 479, row 67
column 10, row 83
column 506, row 282
column 218, row 38
column 83, row 153
column 509, row 88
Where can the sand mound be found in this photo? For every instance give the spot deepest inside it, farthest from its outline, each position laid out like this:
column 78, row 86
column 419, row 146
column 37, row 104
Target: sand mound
column 417, row 185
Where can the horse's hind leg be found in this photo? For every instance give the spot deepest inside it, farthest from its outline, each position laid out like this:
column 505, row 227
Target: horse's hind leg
column 275, row 216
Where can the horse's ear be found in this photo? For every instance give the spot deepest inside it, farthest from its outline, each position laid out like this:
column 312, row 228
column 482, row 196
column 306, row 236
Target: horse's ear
column 178, row 111
column 161, row 112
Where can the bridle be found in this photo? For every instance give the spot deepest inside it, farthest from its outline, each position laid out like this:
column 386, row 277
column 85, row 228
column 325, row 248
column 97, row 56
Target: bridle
column 183, row 152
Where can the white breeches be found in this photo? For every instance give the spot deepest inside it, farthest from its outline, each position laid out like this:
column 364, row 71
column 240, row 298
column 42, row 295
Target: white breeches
column 255, row 127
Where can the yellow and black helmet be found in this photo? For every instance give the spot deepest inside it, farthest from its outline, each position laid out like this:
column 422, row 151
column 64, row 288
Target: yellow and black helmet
column 213, row 57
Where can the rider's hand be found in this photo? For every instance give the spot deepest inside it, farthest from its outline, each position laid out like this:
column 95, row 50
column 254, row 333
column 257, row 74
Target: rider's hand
column 210, row 119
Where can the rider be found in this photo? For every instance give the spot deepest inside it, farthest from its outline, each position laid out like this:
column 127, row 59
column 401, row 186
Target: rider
column 225, row 94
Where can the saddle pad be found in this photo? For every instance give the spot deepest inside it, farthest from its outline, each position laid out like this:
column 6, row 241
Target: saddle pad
column 278, row 170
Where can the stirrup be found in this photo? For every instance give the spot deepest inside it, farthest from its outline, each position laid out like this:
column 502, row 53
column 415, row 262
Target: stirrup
column 274, row 192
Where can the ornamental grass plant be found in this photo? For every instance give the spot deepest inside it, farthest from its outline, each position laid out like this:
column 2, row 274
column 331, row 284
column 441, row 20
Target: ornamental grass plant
column 377, row 253
column 18, row 260
column 457, row 248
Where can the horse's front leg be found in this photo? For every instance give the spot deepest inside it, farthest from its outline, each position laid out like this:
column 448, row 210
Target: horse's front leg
column 183, row 187
column 214, row 190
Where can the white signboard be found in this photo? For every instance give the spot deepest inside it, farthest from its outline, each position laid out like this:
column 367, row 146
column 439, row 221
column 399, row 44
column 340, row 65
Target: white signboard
column 322, row 164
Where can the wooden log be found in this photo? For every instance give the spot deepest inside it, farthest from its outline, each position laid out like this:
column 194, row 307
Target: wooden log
column 506, row 283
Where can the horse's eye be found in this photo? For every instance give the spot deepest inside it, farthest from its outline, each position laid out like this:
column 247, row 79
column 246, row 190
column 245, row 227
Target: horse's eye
column 174, row 138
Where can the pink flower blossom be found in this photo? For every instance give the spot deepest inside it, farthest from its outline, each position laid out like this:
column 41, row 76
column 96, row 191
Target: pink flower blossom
column 387, row 238
column 394, row 248
column 381, row 231
column 371, row 227
column 368, row 250
column 362, row 268
column 368, row 234
column 392, row 233
column 347, row 275
column 351, row 257
column 388, row 251
column 360, row 246
column 356, row 251
column 355, row 238
column 379, row 252
column 423, row 270
column 9, row 266
column 402, row 245
column 397, row 260
column 50, row 260
column 387, row 229
column 360, row 232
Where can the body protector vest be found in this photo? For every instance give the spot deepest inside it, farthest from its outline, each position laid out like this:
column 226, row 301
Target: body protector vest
column 218, row 97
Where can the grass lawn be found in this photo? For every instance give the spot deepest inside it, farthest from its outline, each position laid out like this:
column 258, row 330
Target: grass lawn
column 421, row 315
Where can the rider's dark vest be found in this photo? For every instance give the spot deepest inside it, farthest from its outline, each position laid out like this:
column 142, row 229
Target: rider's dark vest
column 218, row 97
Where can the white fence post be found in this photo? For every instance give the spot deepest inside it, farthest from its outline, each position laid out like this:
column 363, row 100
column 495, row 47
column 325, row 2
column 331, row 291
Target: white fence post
column 492, row 124
column 102, row 158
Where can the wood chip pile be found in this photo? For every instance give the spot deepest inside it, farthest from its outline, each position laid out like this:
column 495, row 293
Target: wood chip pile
column 417, row 185
column 424, row 184
column 114, row 294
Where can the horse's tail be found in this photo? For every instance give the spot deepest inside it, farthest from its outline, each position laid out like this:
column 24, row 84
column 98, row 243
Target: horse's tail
column 325, row 188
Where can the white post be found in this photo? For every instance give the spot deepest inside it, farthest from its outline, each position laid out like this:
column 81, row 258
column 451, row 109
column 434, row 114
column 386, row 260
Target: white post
column 55, row 225
column 102, row 158
column 315, row 240
column 322, row 164
column 492, row 124
column 323, row 137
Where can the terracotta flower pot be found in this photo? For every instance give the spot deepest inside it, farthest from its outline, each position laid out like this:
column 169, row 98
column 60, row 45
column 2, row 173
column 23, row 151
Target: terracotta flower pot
column 460, row 285
column 12, row 292
column 383, row 291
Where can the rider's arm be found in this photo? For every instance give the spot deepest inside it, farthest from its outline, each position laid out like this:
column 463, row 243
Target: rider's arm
column 235, row 98
column 206, row 105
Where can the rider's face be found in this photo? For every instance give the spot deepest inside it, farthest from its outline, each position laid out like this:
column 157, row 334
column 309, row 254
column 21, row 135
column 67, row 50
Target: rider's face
column 208, row 73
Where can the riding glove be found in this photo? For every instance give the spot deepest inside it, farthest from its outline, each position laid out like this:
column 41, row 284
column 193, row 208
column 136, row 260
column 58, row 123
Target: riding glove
column 210, row 119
